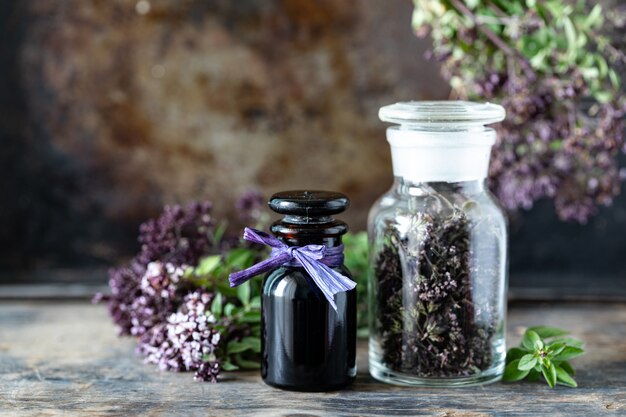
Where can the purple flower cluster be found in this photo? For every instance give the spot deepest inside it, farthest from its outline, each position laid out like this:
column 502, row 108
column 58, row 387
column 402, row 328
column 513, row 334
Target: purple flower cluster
column 179, row 235
column 157, row 298
column 124, row 283
column 544, row 150
column 150, row 300
column 250, row 206
column 186, row 341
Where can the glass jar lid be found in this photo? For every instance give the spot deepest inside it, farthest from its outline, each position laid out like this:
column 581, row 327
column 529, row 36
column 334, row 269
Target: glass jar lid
column 441, row 113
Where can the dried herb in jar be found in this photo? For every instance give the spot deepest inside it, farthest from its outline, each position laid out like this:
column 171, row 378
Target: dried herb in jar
column 426, row 307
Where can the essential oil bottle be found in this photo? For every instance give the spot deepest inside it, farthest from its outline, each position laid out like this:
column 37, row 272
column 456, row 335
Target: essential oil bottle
column 306, row 344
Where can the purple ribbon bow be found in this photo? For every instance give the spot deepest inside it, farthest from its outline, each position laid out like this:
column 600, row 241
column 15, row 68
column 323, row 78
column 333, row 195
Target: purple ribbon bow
column 315, row 259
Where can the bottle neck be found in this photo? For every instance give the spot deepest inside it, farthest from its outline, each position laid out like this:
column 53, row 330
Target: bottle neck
column 406, row 186
column 440, row 156
column 311, row 233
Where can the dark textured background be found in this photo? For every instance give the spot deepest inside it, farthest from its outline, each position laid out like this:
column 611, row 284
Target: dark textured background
column 106, row 114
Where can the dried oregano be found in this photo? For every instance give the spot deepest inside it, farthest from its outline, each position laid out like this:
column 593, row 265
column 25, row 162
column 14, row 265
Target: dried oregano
column 426, row 307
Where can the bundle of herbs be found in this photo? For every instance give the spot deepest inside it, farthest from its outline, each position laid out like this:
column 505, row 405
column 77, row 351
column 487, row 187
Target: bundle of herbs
column 557, row 69
column 426, row 306
column 544, row 351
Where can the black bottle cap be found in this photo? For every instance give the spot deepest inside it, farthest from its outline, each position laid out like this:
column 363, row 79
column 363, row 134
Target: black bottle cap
column 309, row 203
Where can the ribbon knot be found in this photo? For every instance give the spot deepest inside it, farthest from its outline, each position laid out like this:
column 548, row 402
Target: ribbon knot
column 317, row 260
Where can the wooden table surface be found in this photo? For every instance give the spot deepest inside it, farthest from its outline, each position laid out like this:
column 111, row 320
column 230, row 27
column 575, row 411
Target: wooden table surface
column 63, row 358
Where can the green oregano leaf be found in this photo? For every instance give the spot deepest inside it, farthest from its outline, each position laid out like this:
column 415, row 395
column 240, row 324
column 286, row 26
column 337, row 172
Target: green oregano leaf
column 240, row 258
column 567, row 367
column 207, row 265
column 228, row 366
column 569, row 341
column 515, row 353
column 564, row 378
column 229, row 309
column 549, row 373
column 512, row 373
column 556, row 348
column 253, row 343
column 568, row 353
column 527, row 362
column 529, row 340
column 533, row 375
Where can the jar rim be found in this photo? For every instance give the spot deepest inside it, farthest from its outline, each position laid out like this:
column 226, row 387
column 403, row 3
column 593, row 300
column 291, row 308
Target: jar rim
column 437, row 114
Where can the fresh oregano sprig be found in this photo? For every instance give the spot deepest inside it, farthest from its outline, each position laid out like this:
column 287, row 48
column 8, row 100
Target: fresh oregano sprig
column 544, row 351
column 237, row 311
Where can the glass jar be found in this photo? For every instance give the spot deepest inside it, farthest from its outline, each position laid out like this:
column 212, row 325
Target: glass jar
column 438, row 250
column 306, row 344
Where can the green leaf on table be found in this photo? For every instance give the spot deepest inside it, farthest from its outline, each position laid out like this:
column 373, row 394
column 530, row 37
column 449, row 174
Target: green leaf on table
column 512, row 373
column 527, row 362
column 564, row 378
column 556, row 348
column 533, row 375
column 569, row 341
column 529, row 340
column 568, row 353
column 567, row 367
column 228, row 366
column 515, row 353
column 543, row 351
column 549, row 373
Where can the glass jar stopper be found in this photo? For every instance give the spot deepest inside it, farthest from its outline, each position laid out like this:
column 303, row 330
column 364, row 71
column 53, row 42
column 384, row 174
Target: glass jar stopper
column 440, row 113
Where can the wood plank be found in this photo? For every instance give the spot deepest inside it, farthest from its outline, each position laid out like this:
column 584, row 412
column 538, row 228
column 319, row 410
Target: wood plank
column 63, row 358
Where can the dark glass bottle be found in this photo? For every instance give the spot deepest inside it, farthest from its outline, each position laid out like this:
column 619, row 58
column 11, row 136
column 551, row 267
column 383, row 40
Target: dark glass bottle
column 306, row 344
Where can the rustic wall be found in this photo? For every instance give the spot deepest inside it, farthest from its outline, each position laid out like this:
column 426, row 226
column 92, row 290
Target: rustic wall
column 129, row 105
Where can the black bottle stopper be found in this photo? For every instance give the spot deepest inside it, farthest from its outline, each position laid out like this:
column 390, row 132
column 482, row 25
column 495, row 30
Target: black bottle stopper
column 309, row 203
column 308, row 216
